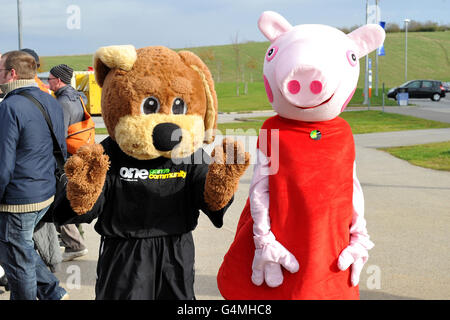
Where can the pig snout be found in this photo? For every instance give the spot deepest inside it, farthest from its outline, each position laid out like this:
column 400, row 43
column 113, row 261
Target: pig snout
column 306, row 86
column 308, row 83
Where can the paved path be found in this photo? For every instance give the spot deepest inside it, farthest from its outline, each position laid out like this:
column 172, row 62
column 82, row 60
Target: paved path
column 407, row 213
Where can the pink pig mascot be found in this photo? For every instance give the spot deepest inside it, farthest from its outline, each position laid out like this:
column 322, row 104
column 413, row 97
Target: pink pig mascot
column 305, row 211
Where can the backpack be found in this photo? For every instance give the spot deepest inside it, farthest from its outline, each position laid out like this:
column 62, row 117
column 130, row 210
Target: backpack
column 80, row 133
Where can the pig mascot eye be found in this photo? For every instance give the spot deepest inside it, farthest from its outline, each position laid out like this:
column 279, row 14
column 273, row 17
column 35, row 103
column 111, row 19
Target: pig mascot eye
column 352, row 59
column 271, row 53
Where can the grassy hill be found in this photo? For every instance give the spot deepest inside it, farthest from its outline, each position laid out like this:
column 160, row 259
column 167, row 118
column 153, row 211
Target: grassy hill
column 428, row 58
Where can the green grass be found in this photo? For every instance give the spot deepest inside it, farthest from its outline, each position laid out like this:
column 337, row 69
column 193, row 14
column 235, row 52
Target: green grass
column 378, row 121
column 358, row 98
column 255, row 99
column 101, row 131
column 428, row 57
column 360, row 122
column 433, row 155
column 76, row 62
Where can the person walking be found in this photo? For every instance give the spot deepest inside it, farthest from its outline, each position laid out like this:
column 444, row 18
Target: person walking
column 39, row 82
column 72, row 103
column 27, row 177
column 45, row 235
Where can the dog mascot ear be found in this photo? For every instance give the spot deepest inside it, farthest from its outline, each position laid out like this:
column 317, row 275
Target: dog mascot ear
column 210, row 118
column 107, row 58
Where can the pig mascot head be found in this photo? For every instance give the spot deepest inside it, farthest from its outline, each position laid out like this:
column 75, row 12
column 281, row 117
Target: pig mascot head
column 311, row 71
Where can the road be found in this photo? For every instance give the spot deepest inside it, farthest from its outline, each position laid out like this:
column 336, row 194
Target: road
column 426, row 109
column 427, row 104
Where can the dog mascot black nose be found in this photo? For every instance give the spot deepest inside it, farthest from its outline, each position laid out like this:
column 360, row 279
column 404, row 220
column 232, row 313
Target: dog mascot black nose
column 166, row 136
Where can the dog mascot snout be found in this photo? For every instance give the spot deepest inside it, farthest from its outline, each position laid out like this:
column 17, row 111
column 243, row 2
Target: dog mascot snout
column 166, row 136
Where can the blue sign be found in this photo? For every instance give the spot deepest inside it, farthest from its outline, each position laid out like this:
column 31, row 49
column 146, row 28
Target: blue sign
column 380, row 50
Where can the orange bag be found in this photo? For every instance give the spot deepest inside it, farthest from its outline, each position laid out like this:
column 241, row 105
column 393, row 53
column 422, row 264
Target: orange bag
column 81, row 133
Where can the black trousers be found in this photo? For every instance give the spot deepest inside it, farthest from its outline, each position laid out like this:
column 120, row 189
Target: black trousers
column 159, row 268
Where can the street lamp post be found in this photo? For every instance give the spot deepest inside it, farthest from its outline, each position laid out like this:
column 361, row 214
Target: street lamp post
column 19, row 22
column 366, row 75
column 376, row 52
column 406, row 49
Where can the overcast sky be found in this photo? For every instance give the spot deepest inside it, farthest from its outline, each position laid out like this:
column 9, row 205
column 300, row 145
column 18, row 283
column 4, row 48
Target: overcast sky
column 57, row 27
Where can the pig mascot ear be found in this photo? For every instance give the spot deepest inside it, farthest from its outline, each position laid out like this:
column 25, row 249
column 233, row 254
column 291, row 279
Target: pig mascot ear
column 272, row 25
column 367, row 38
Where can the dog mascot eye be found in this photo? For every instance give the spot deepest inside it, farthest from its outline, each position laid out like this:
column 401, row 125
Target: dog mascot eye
column 150, row 105
column 179, row 106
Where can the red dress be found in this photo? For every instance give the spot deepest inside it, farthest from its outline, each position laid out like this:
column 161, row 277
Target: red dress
column 310, row 213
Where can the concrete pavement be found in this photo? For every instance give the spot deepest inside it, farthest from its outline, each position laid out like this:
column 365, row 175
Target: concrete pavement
column 407, row 213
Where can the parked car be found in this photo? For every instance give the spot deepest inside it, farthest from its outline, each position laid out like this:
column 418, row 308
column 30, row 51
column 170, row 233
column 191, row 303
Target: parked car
column 431, row 89
column 446, row 86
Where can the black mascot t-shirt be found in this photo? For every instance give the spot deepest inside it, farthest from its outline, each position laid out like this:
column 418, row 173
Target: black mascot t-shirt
column 150, row 198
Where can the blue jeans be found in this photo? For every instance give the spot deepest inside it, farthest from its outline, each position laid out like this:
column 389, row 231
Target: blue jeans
column 28, row 276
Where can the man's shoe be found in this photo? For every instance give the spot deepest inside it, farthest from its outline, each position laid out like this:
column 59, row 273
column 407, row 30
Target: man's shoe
column 70, row 255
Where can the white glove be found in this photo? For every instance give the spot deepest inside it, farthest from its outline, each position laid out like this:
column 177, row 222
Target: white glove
column 355, row 255
column 270, row 255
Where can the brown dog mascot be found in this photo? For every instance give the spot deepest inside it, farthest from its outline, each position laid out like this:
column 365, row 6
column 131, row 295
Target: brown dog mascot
column 148, row 180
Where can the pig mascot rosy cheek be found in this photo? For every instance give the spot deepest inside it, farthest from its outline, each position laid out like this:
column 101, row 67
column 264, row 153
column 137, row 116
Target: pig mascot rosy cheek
column 302, row 233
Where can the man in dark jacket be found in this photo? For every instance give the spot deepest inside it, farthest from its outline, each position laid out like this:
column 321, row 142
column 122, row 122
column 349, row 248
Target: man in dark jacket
column 59, row 81
column 69, row 98
column 27, row 176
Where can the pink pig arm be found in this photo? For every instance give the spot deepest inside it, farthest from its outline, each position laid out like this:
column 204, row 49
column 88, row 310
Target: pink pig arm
column 356, row 254
column 259, row 196
column 358, row 229
column 270, row 255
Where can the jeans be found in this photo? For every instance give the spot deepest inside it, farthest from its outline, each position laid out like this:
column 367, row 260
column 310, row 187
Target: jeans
column 27, row 274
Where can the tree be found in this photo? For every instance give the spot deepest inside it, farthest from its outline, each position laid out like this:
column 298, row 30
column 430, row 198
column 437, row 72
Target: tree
column 219, row 65
column 392, row 27
column 252, row 64
column 208, row 56
column 237, row 58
